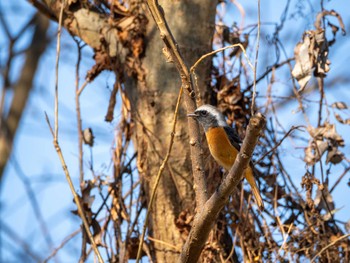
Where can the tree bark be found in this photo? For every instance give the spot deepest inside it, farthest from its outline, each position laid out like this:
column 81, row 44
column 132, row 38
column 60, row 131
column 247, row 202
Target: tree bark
column 192, row 24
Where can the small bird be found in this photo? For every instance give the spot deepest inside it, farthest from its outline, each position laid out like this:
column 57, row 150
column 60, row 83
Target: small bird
column 224, row 143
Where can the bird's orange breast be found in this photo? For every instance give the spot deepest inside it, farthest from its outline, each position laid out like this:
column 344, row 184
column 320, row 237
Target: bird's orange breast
column 220, row 147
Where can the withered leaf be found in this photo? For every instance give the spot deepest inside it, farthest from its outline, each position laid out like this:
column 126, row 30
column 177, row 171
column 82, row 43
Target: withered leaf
column 347, row 226
column 303, row 67
column 341, row 120
column 334, row 156
column 333, row 135
column 137, row 44
column 326, row 131
column 340, row 105
column 132, row 247
column 324, row 198
column 88, row 137
column 315, row 151
column 319, row 49
column 230, row 92
column 97, row 233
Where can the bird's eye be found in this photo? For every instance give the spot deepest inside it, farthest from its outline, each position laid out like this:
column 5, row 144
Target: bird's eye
column 203, row 113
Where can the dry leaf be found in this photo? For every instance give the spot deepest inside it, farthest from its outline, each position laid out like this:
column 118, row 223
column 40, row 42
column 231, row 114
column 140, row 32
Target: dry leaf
column 183, row 223
column 327, row 139
column 88, row 137
column 311, row 55
column 325, row 203
column 334, row 155
column 347, row 226
column 314, row 152
column 340, row 105
column 341, row 120
column 132, row 247
column 97, row 233
column 230, row 93
column 303, row 67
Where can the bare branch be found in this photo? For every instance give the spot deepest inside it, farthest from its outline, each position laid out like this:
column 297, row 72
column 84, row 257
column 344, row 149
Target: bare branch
column 329, row 245
column 22, row 89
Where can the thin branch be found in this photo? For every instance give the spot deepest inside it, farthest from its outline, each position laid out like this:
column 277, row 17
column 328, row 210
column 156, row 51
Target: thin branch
column 75, row 195
column 177, row 249
column 280, row 142
column 193, row 68
column 19, row 241
column 269, row 70
column 21, row 89
column 58, row 148
column 79, row 121
column 33, row 201
column 339, row 179
column 256, row 61
column 328, row 246
column 58, row 50
column 206, row 217
column 64, row 242
column 82, row 87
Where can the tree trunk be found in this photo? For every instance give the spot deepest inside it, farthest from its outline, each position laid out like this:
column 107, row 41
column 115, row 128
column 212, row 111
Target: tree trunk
column 154, row 100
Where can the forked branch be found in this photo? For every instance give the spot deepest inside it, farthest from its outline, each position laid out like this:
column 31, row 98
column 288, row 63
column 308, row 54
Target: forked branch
column 206, row 218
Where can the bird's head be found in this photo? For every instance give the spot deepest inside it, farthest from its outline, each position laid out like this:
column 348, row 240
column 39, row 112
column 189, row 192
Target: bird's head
column 209, row 117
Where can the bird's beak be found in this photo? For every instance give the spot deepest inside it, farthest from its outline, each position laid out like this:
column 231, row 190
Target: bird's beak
column 192, row 115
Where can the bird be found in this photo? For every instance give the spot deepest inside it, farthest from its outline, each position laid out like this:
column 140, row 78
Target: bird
column 224, row 143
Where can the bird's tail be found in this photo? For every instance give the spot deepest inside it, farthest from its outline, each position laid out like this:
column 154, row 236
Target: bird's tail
column 249, row 175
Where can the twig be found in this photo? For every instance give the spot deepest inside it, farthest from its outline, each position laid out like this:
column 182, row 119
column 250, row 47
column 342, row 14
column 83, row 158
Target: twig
column 219, row 50
column 339, row 179
column 33, row 201
column 20, row 243
column 160, row 172
column 269, row 70
column 280, row 142
column 82, row 87
column 193, row 68
column 21, row 88
column 206, row 217
column 328, row 246
column 79, row 121
column 58, row 50
column 242, row 12
column 199, row 177
column 256, row 62
column 64, row 242
column 177, row 249
column 58, row 148
column 321, row 88
column 75, row 195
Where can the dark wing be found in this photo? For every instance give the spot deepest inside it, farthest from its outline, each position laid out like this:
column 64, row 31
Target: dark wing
column 236, row 141
column 233, row 137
